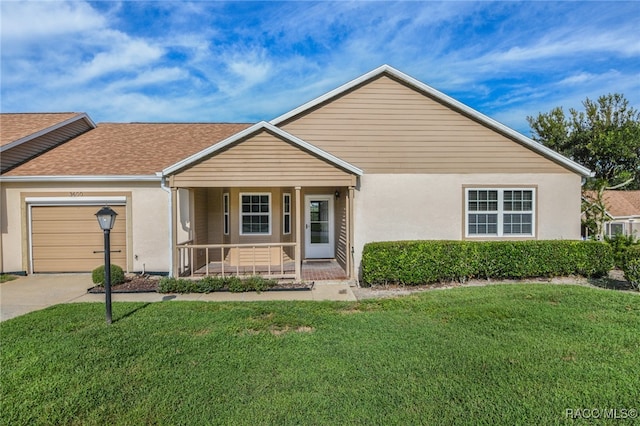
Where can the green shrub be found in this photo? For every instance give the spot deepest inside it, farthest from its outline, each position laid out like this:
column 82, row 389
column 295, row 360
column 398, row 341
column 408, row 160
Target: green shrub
column 424, row 262
column 620, row 244
column 117, row 275
column 210, row 284
column 258, row 283
column 236, row 285
column 177, row 285
column 631, row 266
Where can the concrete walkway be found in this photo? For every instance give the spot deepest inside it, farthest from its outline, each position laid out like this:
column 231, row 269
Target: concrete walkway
column 35, row 292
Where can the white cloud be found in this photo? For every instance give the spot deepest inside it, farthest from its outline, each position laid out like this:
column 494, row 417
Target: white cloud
column 37, row 21
column 125, row 55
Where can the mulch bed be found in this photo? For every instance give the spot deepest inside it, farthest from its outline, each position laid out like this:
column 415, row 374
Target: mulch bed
column 149, row 284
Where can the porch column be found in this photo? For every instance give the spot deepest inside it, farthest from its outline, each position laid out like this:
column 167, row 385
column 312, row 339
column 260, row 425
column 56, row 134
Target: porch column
column 298, row 248
column 350, row 266
column 175, row 268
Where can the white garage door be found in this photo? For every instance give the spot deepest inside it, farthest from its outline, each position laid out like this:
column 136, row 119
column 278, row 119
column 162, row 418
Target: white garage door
column 64, row 238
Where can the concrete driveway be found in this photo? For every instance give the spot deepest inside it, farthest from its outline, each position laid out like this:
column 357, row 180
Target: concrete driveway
column 34, row 292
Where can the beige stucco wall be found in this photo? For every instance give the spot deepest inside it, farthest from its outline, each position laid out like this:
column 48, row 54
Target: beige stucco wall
column 148, row 233
column 391, row 207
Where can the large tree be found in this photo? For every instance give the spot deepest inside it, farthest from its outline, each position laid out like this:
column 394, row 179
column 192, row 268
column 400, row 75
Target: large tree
column 605, row 137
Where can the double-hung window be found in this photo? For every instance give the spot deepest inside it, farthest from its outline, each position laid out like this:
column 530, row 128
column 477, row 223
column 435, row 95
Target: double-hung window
column 255, row 214
column 497, row 212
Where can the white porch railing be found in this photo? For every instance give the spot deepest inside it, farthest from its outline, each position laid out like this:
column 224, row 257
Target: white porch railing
column 267, row 259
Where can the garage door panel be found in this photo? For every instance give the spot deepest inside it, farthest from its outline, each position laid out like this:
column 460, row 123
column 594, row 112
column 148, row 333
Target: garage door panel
column 78, row 239
column 71, row 227
column 75, row 252
column 74, row 213
column 64, row 238
column 80, row 265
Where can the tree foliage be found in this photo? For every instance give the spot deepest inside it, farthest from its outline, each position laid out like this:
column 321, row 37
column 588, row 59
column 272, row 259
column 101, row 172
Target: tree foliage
column 605, row 137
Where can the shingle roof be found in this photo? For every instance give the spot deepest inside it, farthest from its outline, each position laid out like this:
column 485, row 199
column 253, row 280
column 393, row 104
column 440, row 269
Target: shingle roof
column 127, row 149
column 622, row 203
column 18, row 126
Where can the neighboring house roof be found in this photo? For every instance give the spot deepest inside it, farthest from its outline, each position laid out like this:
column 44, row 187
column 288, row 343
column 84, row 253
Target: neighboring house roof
column 126, row 149
column 622, row 204
column 256, row 128
column 16, row 127
column 439, row 97
column 24, row 136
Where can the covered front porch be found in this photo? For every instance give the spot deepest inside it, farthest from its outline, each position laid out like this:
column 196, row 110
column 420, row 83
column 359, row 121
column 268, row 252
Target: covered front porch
column 278, row 232
column 261, row 202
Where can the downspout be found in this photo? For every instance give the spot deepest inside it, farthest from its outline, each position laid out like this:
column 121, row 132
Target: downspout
column 164, row 187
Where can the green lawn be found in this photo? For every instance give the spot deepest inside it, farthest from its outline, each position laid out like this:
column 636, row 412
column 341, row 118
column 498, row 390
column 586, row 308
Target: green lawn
column 503, row 354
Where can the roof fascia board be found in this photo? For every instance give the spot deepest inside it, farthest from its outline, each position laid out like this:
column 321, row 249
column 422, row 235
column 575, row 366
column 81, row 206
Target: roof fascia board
column 447, row 100
column 627, row 218
column 263, row 125
column 49, row 129
column 329, row 95
column 314, row 149
column 106, row 178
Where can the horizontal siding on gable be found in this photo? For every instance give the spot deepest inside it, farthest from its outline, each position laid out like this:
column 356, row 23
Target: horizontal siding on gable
column 386, row 127
column 263, row 160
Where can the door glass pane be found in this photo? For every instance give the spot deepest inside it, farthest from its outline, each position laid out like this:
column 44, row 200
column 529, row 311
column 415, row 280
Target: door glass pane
column 319, row 212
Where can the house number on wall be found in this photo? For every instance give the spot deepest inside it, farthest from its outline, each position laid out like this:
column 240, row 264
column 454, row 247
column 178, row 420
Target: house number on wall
column 76, row 194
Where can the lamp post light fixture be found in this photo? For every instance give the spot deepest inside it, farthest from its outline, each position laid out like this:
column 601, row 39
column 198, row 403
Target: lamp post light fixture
column 107, row 218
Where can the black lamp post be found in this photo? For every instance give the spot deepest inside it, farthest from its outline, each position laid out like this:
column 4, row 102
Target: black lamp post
column 106, row 218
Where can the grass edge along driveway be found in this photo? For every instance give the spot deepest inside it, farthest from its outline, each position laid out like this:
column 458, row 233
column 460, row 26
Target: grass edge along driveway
column 508, row 354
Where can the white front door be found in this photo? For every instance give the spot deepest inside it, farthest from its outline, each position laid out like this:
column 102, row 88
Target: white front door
column 318, row 227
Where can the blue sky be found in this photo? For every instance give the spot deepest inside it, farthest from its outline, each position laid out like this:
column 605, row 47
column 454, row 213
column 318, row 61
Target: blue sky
column 217, row 61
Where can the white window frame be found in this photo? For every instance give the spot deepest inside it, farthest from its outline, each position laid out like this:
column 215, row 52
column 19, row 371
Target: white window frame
column 242, row 214
column 286, row 213
column 609, row 228
column 226, row 224
column 501, row 212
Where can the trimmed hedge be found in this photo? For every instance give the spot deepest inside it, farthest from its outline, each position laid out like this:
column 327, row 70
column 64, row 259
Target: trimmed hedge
column 426, row 262
column 211, row 284
column 631, row 266
column 117, row 275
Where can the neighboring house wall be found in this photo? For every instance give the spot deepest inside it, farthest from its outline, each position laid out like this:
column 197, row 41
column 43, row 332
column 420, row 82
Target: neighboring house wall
column 147, row 210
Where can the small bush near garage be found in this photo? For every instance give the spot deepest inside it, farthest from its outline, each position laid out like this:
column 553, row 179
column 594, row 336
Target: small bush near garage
column 426, row 262
column 117, row 275
column 210, row 284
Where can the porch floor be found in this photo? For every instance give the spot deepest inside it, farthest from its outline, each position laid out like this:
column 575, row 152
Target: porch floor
column 316, row 270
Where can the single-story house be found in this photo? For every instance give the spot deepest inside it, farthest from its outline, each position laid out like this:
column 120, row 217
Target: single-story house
column 622, row 212
column 382, row 157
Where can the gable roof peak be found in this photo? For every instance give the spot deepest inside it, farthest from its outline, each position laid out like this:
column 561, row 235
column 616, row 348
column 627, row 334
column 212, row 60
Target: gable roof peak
column 445, row 100
column 260, row 126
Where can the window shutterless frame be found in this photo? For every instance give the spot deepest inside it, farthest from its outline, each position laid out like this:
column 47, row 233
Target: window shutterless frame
column 255, row 213
column 286, row 213
column 500, row 212
column 225, row 208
